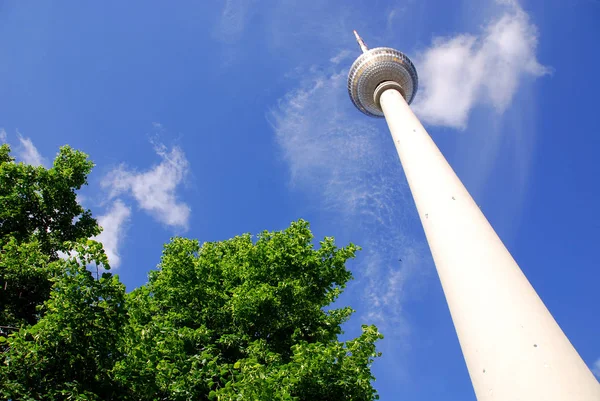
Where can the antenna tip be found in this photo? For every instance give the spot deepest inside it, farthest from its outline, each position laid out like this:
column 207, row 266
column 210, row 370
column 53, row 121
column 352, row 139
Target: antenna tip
column 361, row 42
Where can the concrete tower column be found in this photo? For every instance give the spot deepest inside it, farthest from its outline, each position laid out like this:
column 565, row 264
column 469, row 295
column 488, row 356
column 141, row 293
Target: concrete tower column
column 513, row 347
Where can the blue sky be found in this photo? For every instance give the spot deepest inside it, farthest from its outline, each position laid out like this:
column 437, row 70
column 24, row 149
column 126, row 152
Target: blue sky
column 210, row 119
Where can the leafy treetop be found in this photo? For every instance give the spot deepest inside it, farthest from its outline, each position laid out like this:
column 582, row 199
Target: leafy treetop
column 241, row 319
column 39, row 216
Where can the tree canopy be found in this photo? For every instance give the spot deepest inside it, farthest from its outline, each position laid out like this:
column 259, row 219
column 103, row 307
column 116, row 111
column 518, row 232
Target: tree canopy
column 39, row 217
column 248, row 318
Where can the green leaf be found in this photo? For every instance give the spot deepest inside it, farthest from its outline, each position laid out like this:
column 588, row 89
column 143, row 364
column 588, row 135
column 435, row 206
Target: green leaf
column 262, row 303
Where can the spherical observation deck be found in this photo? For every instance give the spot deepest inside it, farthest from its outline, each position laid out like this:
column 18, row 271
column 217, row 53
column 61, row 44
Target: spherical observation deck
column 374, row 67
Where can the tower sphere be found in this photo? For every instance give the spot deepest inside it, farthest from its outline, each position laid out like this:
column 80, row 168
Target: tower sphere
column 375, row 67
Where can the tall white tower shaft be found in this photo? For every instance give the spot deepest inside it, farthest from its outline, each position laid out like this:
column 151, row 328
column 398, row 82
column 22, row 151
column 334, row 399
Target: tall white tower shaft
column 513, row 347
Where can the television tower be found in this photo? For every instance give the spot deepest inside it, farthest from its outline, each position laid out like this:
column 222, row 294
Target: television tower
column 513, row 347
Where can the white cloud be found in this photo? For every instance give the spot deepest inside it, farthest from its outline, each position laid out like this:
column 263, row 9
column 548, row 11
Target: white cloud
column 155, row 189
column 596, row 368
column 460, row 72
column 340, row 157
column 113, row 231
column 314, row 138
column 28, row 153
column 341, row 56
column 233, row 19
column 81, row 199
column 305, row 28
column 112, row 235
column 397, row 13
column 2, row 136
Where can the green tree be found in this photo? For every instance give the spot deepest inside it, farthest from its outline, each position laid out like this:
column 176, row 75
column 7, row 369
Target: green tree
column 244, row 320
column 41, row 203
column 39, row 217
column 70, row 352
column 64, row 324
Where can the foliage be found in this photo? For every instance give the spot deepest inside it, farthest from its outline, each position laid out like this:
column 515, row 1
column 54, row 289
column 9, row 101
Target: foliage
column 40, row 202
column 39, row 216
column 71, row 350
column 26, row 277
column 241, row 319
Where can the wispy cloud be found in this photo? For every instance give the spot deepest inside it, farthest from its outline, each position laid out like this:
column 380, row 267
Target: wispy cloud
column 395, row 14
column 155, row 190
column 342, row 159
column 341, row 56
column 306, row 28
column 596, row 368
column 28, row 153
column 233, row 19
column 2, row 136
column 113, row 225
column 461, row 72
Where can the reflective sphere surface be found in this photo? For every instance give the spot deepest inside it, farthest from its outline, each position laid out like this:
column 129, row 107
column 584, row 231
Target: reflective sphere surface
column 374, row 67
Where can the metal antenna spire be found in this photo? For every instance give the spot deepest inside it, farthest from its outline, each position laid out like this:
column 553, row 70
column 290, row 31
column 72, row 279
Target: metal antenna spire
column 361, row 42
